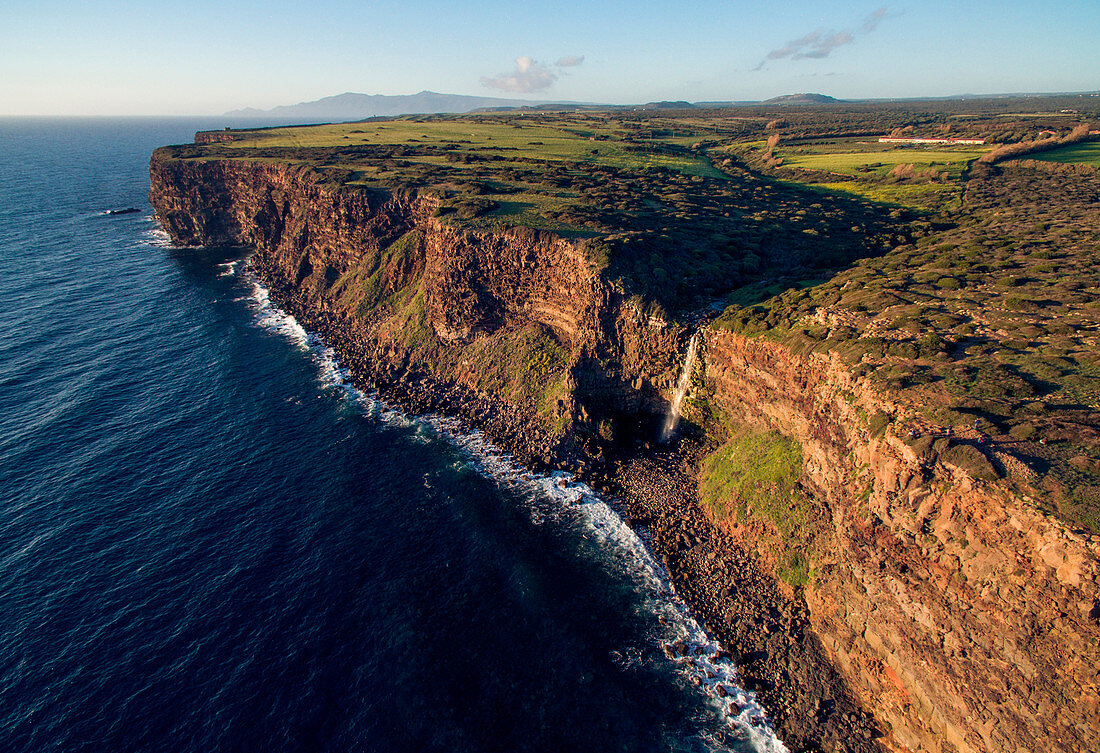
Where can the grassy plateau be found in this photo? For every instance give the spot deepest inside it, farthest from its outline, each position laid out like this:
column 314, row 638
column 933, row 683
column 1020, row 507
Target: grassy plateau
column 968, row 289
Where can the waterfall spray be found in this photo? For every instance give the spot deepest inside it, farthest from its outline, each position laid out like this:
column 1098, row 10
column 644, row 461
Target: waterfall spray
column 672, row 418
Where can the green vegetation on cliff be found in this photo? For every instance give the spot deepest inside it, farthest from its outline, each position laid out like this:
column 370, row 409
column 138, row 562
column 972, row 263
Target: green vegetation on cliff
column 754, row 477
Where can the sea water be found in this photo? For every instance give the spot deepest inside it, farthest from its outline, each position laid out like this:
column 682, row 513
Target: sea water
column 210, row 540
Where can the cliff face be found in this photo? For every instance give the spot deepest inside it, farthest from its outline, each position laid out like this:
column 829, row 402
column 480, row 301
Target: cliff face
column 967, row 620
column 527, row 306
column 217, row 137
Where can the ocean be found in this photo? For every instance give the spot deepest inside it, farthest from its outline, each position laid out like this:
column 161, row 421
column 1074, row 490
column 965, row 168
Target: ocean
column 210, row 541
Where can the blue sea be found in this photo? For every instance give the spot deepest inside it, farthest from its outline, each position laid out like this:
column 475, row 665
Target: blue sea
column 210, row 541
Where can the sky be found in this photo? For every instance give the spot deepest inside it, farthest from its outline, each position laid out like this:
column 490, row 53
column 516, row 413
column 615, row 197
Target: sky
column 204, row 57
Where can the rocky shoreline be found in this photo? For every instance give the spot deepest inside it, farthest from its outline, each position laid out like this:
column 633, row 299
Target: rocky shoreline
column 768, row 635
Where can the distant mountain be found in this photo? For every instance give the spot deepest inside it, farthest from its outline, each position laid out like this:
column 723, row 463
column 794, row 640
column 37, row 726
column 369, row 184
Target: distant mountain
column 351, row 106
column 667, row 105
column 801, row 99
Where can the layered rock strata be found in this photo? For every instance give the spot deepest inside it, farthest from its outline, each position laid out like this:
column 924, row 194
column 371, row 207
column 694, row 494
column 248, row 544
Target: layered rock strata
column 967, row 619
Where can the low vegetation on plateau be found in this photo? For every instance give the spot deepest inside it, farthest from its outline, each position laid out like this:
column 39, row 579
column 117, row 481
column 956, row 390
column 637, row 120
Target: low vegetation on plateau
column 1077, row 154
column 962, row 278
column 987, row 317
column 662, row 207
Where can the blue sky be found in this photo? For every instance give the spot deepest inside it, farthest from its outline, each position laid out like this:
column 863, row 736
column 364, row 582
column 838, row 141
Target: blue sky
column 129, row 57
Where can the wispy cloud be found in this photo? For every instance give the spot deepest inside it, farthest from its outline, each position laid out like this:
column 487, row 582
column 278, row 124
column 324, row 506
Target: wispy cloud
column 530, row 75
column 872, row 21
column 820, row 44
column 816, row 44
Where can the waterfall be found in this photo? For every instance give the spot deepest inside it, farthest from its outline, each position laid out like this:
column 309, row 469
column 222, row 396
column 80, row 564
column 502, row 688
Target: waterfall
column 672, row 418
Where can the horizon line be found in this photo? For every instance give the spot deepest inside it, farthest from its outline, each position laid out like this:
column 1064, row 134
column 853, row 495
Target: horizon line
column 716, row 102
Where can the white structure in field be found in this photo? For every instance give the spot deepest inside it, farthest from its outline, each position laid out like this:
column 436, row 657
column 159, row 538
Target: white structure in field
column 905, row 140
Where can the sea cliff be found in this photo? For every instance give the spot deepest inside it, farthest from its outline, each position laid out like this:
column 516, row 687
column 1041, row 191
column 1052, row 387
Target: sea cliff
column 944, row 613
column 964, row 617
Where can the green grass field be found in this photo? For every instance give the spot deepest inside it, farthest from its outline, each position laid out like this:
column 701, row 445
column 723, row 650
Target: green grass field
column 1083, row 154
column 924, row 179
column 579, row 141
column 916, row 196
column 515, row 162
column 882, row 161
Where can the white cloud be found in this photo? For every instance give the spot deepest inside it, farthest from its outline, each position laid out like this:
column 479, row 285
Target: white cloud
column 872, row 21
column 529, row 76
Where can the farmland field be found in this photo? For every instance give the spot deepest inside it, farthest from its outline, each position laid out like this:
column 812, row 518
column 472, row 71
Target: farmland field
column 915, row 196
column 882, row 161
column 584, row 140
column 1085, row 154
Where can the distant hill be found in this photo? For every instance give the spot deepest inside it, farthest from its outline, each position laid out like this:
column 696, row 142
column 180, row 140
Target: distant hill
column 801, row 99
column 666, row 105
column 352, row 106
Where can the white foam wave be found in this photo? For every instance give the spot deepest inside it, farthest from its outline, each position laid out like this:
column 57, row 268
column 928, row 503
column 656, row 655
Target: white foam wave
column 157, row 236
column 682, row 640
column 229, row 268
column 270, row 317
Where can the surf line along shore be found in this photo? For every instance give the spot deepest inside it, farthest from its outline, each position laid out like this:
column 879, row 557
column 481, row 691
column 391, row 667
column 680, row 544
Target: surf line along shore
column 767, row 635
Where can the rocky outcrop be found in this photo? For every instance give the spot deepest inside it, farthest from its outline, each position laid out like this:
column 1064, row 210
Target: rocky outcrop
column 966, row 618
column 220, row 137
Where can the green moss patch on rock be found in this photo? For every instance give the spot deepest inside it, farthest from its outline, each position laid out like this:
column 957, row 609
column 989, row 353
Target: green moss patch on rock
column 754, row 477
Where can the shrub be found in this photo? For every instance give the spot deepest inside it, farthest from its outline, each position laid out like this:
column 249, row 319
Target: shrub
column 1019, row 303
column 599, row 253
column 878, row 423
column 971, row 460
column 796, row 570
column 468, row 209
column 1022, row 432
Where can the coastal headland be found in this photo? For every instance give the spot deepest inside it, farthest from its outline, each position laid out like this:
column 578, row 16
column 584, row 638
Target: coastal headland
column 884, row 494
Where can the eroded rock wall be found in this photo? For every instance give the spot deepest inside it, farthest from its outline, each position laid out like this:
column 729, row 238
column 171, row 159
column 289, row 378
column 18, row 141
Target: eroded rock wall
column 315, row 238
column 967, row 619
